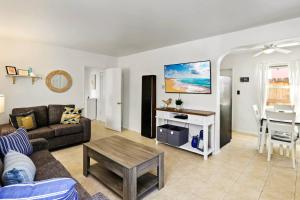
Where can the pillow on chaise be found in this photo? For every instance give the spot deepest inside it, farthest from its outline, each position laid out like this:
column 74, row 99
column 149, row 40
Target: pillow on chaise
column 57, row 188
column 71, row 116
column 17, row 141
column 18, row 168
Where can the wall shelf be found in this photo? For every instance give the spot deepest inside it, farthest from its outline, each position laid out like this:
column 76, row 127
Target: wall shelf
column 14, row 77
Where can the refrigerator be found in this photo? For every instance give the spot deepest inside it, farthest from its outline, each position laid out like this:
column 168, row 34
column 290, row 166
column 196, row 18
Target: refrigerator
column 225, row 110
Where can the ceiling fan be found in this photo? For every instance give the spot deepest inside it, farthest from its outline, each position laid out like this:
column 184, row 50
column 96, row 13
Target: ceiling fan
column 271, row 48
column 279, row 47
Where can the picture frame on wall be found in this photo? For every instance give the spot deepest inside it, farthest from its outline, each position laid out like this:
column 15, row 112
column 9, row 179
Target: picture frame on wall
column 23, row 72
column 11, row 70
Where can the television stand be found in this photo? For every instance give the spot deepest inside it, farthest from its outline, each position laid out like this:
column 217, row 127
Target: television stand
column 197, row 118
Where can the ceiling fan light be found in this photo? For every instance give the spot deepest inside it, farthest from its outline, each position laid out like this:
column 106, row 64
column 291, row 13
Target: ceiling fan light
column 269, row 51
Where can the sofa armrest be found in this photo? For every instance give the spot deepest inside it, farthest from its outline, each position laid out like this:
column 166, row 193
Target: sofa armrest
column 86, row 123
column 39, row 144
column 6, row 129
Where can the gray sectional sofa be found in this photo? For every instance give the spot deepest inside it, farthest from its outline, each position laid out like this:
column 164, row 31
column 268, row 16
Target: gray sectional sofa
column 48, row 167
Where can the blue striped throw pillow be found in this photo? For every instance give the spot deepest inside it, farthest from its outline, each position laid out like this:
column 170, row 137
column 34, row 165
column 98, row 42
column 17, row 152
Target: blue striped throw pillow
column 57, row 188
column 17, row 141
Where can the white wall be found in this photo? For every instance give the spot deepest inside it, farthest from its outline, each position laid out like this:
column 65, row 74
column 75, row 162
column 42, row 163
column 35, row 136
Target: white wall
column 43, row 59
column 243, row 65
column 213, row 48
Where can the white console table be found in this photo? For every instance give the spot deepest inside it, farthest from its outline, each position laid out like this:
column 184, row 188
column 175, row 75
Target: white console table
column 201, row 119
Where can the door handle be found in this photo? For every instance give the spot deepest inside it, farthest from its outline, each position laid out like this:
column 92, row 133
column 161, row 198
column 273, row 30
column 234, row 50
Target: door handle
column 119, row 103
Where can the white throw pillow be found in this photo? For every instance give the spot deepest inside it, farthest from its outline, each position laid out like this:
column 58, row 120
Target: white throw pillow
column 18, row 168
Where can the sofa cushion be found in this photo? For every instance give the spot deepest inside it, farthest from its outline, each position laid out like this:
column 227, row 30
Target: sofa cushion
column 44, row 162
column 17, row 141
column 43, row 132
column 66, row 129
column 18, row 168
column 55, row 112
column 60, row 188
column 40, row 159
column 40, row 112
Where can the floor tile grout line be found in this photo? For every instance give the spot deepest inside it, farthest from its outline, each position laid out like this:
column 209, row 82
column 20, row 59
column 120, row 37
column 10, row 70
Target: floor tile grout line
column 266, row 179
column 242, row 172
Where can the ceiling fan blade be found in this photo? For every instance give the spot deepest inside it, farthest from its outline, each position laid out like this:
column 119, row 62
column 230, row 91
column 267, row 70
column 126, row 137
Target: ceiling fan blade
column 240, row 50
column 257, row 47
column 290, row 44
column 285, row 51
column 249, row 48
column 258, row 54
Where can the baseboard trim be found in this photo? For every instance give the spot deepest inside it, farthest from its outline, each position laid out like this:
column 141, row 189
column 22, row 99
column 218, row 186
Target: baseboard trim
column 127, row 129
column 245, row 132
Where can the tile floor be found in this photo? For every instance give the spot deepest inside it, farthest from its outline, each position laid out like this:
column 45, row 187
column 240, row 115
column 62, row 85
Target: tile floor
column 238, row 172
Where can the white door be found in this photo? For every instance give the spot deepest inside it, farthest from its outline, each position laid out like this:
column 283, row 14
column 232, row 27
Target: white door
column 113, row 98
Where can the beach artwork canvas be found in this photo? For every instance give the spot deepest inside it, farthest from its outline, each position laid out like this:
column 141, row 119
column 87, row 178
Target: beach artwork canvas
column 188, row 78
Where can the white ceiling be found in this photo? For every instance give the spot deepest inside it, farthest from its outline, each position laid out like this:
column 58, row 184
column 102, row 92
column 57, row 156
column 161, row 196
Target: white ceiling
column 123, row 27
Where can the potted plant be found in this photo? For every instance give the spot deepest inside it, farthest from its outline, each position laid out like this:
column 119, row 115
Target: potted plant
column 178, row 103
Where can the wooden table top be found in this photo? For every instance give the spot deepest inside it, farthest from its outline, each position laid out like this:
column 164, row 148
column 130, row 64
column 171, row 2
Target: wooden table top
column 125, row 152
column 188, row 111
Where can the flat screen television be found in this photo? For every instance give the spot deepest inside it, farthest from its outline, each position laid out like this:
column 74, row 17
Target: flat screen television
column 193, row 77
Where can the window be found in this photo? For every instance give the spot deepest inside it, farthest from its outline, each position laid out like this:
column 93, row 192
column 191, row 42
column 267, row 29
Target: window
column 279, row 87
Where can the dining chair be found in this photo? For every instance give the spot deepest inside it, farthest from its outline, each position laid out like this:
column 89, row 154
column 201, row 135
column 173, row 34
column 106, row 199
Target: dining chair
column 289, row 108
column 284, row 108
column 258, row 127
column 282, row 131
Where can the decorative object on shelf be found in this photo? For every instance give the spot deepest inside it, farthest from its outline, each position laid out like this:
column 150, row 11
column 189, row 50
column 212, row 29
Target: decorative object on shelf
column 59, row 81
column 11, row 70
column 195, row 141
column 2, row 103
column 167, row 102
column 201, row 144
column 13, row 74
column 23, row 72
column 30, row 72
column 178, row 103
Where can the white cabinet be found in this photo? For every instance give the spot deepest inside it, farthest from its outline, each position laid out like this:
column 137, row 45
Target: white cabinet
column 197, row 120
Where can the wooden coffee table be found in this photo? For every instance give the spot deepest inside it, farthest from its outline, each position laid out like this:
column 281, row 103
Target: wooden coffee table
column 124, row 165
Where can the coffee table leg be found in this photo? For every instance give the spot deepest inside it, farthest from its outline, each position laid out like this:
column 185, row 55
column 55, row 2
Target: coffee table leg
column 160, row 171
column 130, row 184
column 86, row 161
